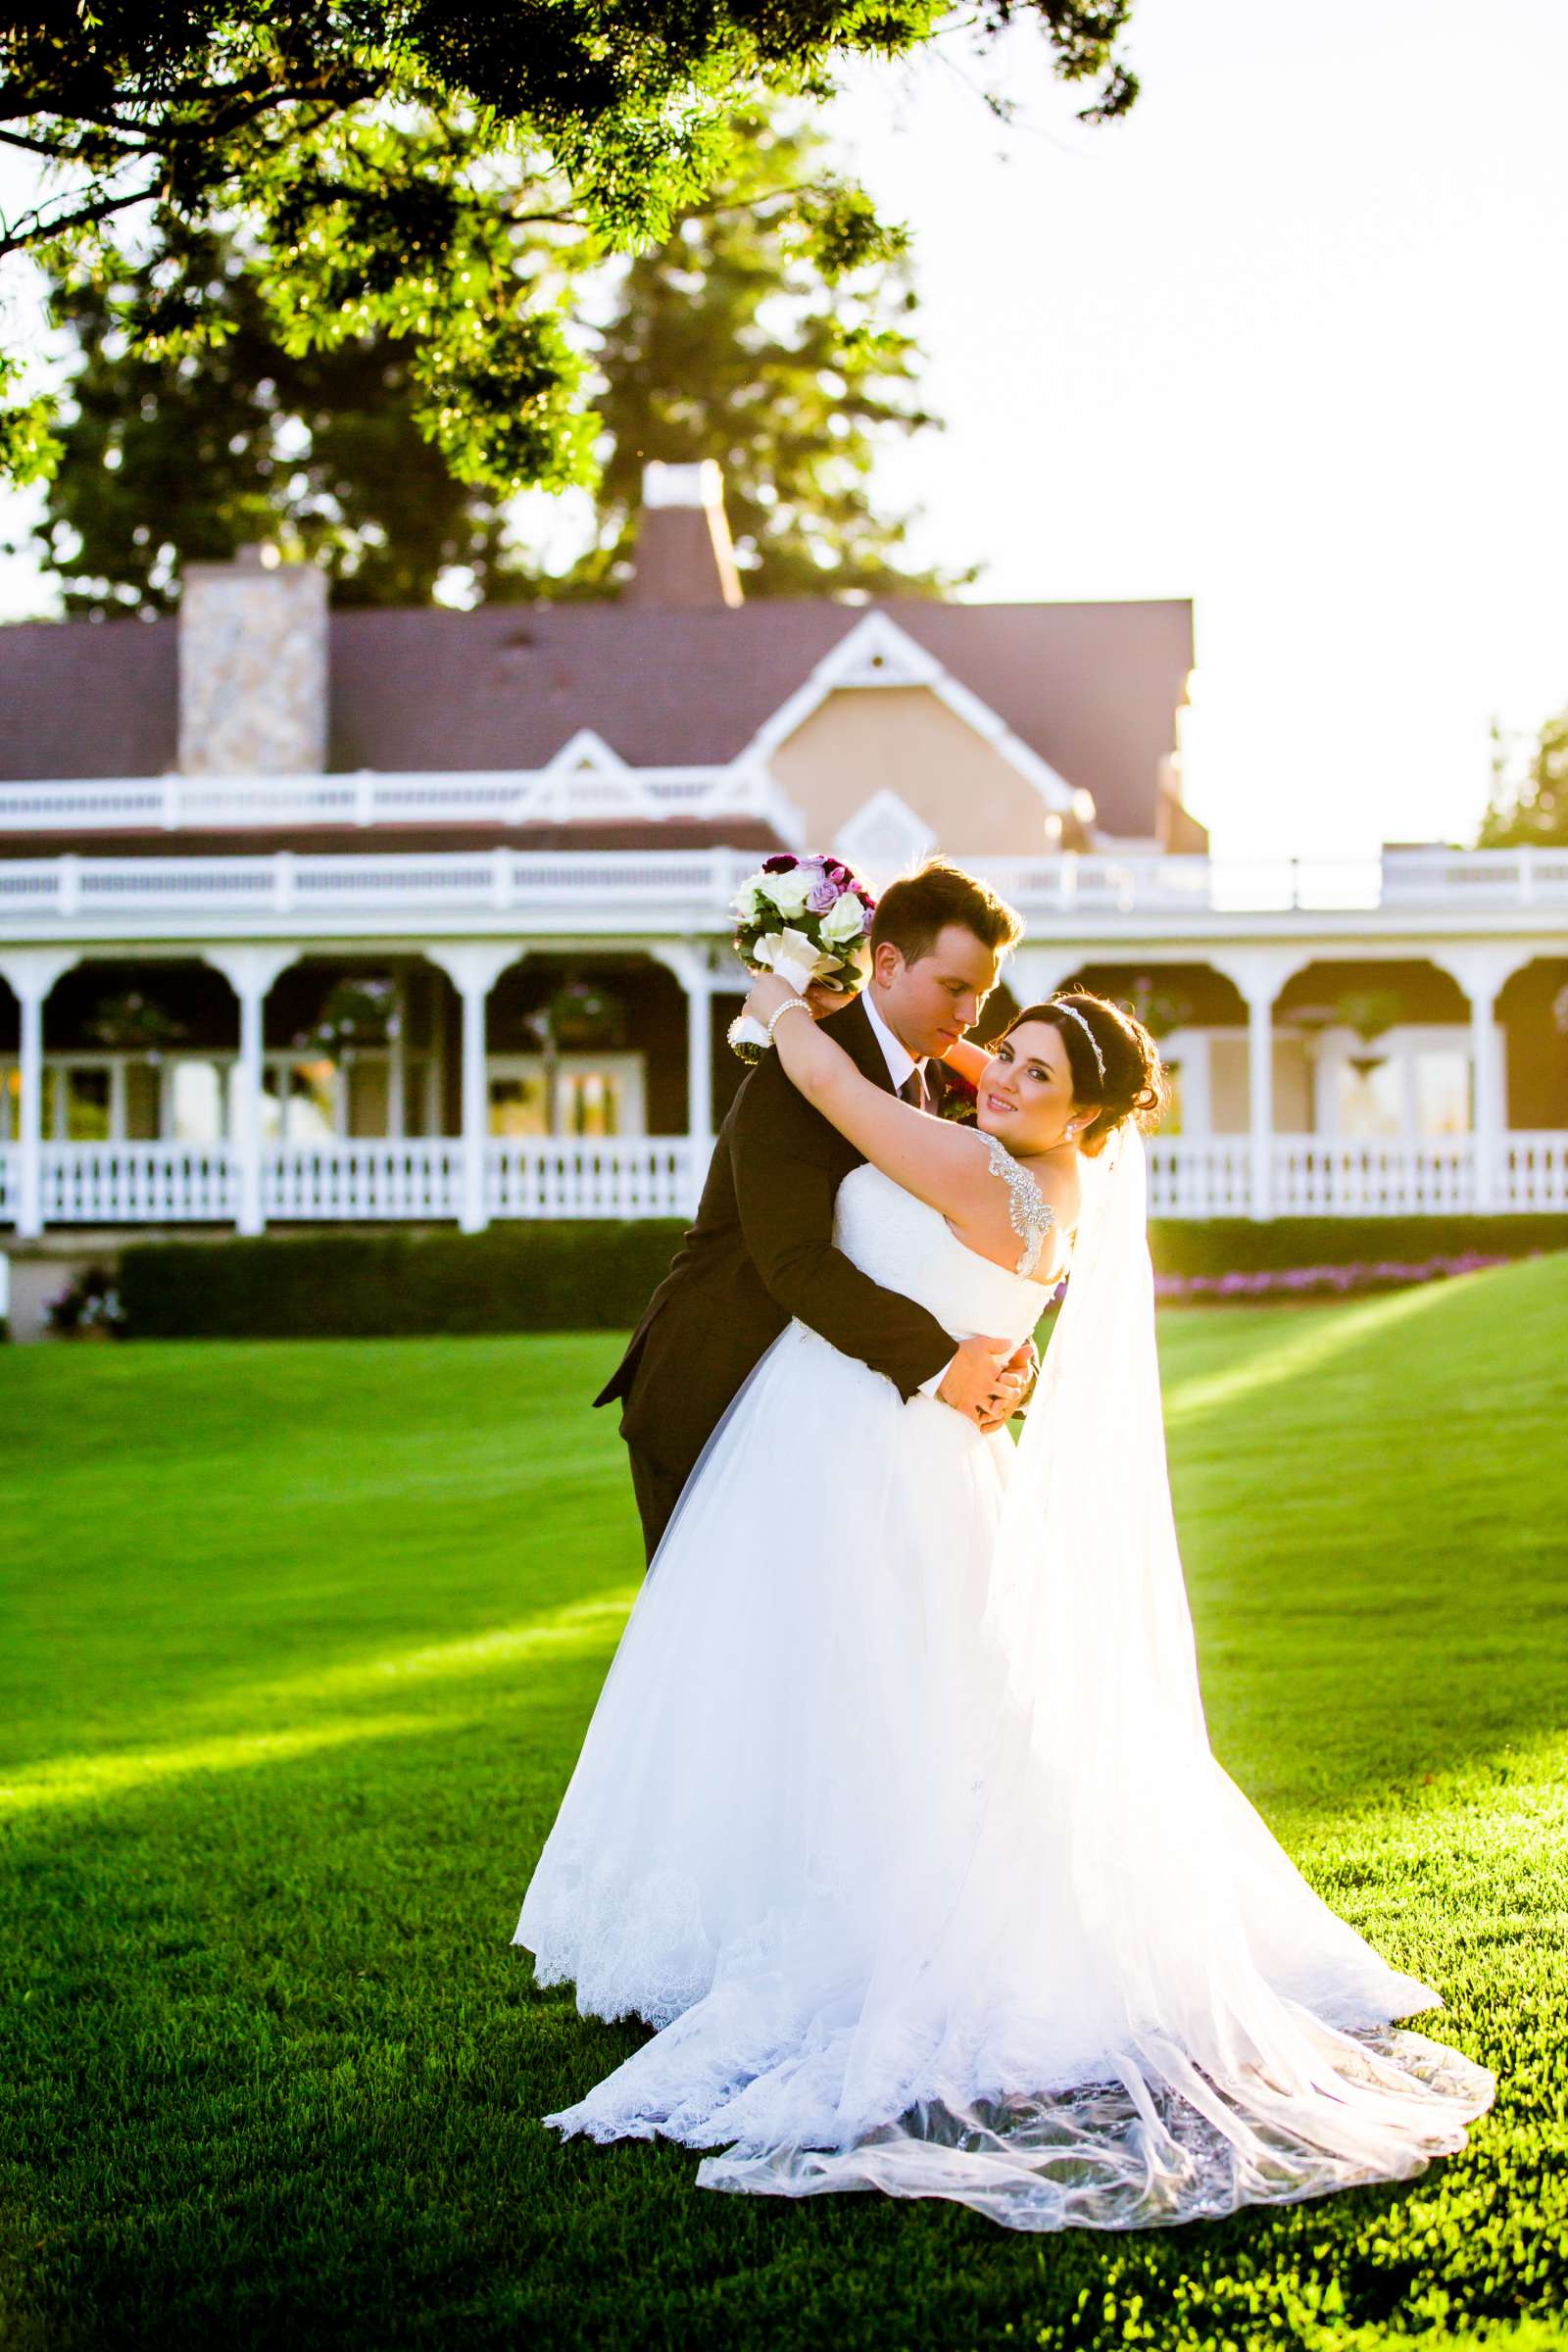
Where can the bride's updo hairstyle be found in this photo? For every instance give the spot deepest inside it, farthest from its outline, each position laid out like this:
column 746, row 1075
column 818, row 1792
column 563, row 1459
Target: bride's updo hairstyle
column 1134, row 1085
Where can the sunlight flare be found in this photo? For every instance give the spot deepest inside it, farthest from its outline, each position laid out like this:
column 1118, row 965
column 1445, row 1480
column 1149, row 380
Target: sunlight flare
column 579, row 1624
column 1305, row 1352
column 82, row 1779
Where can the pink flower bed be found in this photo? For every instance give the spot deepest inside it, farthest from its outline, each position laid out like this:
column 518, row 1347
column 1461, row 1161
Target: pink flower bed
column 1297, row 1282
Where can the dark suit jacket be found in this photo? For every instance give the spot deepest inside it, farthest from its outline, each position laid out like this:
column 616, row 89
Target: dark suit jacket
column 761, row 1251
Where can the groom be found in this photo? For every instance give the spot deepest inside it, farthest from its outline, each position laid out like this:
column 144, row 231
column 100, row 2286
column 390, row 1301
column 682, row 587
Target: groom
column 761, row 1248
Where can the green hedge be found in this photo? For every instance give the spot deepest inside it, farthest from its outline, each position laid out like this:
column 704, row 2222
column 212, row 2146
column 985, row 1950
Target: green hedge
column 547, row 1277
column 593, row 1276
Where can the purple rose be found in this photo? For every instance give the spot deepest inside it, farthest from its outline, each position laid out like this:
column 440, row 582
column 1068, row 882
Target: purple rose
column 823, row 897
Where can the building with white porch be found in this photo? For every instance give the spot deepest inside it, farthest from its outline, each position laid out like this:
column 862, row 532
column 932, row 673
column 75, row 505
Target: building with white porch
column 423, row 915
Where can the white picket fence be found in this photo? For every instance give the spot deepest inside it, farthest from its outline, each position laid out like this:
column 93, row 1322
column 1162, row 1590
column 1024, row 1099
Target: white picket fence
column 421, row 1180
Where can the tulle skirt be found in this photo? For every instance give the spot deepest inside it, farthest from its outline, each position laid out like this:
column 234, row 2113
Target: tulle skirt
column 817, row 1839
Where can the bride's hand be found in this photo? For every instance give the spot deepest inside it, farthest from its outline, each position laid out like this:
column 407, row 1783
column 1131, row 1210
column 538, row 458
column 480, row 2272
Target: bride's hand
column 768, row 993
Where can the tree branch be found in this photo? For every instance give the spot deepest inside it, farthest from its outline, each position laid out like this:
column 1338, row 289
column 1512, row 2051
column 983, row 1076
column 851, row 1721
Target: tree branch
column 56, row 151
column 17, row 239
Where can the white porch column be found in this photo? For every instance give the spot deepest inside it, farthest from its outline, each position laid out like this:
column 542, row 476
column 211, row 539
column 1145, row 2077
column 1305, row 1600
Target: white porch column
column 473, row 967
column 249, row 972
column 1257, row 975
column 1034, row 974
column 700, row 984
column 1260, row 1098
column 1490, row 1087
column 32, row 974
column 700, row 1063
column 1481, row 975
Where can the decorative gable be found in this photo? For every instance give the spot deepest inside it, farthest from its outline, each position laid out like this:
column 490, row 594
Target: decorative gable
column 586, row 780
column 884, row 838
column 876, row 653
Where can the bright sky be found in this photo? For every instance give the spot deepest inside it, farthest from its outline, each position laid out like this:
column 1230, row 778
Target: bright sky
column 1289, row 341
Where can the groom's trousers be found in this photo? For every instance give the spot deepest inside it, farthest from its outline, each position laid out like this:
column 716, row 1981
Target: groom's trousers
column 657, row 1490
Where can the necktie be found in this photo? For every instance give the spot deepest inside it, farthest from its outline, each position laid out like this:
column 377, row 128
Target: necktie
column 914, row 1089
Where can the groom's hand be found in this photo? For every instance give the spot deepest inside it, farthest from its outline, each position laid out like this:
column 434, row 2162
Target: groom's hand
column 984, row 1383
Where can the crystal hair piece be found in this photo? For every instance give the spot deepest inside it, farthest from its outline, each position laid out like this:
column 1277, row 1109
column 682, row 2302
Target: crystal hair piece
column 1057, row 1006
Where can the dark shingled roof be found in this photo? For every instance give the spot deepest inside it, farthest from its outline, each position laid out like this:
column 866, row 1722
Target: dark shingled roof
column 1093, row 688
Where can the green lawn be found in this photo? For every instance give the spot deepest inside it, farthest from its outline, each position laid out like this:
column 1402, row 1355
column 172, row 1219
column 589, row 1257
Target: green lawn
column 296, row 1649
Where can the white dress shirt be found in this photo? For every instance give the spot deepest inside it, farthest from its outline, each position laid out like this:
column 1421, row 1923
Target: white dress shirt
column 900, row 1060
column 901, row 1064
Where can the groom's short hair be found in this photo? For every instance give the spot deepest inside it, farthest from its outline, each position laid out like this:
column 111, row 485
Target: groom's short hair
column 912, row 912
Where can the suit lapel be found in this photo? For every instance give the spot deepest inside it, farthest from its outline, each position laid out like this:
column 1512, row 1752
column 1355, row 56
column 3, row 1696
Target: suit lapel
column 852, row 1029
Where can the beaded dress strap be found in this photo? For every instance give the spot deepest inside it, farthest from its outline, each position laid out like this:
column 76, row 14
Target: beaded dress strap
column 1029, row 1213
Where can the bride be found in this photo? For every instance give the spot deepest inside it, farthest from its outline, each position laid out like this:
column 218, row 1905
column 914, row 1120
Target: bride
column 897, row 1816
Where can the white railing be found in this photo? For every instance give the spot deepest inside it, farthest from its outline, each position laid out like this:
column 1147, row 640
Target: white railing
column 1208, row 1177
column 571, row 791
column 1534, row 1171
column 659, row 1176
column 656, row 1176
column 1523, row 877
column 1317, row 1176
column 585, row 890
column 420, row 1177
column 598, row 890
column 1104, row 883
column 136, row 1183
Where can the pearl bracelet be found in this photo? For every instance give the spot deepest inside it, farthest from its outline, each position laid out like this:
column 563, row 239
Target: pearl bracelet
column 790, row 1004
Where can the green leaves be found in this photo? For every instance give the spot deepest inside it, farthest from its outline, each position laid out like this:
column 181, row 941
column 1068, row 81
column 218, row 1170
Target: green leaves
column 227, row 392
column 499, row 406
column 30, row 448
column 389, row 167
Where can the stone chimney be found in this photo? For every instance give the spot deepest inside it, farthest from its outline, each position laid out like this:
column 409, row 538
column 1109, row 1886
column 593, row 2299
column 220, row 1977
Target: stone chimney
column 253, row 667
column 684, row 555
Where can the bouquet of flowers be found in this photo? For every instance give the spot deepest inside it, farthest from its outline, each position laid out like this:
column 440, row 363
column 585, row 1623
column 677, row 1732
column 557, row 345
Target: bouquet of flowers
column 807, row 919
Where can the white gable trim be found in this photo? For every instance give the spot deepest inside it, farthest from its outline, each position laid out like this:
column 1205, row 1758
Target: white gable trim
column 884, row 838
column 585, row 753
column 875, row 652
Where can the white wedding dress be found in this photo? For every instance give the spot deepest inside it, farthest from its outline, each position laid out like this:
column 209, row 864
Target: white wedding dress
column 897, row 1816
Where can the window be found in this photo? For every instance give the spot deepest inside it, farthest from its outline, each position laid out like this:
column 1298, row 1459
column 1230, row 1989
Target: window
column 1442, row 1092
column 1418, row 1091
column 196, row 1101
column 1370, row 1101
column 517, row 1105
column 80, row 1110
column 299, row 1101
column 596, row 1094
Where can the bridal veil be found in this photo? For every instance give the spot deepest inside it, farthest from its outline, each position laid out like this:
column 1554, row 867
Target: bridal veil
column 1110, row 1999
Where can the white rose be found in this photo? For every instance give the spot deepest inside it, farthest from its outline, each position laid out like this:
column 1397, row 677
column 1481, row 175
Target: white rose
column 844, row 921
column 790, row 890
column 748, row 903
